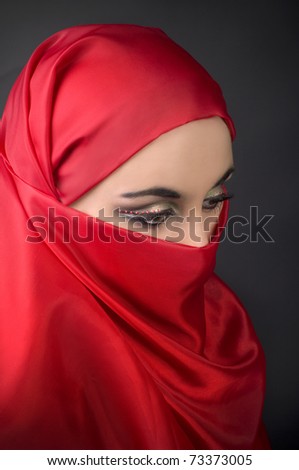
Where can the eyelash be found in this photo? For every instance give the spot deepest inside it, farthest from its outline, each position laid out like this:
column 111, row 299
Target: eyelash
column 151, row 217
column 216, row 200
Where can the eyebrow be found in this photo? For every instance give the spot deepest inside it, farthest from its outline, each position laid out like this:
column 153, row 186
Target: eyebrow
column 167, row 192
column 155, row 191
column 223, row 178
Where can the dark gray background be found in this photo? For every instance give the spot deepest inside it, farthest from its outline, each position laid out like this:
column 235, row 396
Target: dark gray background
column 251, row 49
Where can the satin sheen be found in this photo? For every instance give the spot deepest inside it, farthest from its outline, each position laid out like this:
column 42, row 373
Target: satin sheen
column 118, row 341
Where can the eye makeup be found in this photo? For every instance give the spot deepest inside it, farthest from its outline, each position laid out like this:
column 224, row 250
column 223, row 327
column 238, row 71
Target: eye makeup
column 147, row 216
column 156, row 216
column 212, row 202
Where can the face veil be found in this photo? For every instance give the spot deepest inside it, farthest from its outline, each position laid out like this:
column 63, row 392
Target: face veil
column 111, row 339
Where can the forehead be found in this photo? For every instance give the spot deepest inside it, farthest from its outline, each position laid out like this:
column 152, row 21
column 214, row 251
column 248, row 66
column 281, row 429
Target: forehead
column 190, row 156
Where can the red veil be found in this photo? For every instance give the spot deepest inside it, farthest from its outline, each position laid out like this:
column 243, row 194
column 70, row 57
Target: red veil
column 108, row 338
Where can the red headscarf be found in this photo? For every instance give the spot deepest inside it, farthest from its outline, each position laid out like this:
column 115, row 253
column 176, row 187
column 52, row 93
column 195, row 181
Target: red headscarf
column 120, row 340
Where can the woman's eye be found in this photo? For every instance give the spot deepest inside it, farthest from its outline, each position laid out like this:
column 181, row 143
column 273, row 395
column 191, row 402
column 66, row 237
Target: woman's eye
column 147, row 217
column 213, row 202
column 155, row 217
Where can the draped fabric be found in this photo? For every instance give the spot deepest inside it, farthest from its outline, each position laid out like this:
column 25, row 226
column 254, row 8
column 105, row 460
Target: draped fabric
column 110, row 339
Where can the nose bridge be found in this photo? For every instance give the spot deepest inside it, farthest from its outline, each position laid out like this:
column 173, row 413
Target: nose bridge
column 196, row 229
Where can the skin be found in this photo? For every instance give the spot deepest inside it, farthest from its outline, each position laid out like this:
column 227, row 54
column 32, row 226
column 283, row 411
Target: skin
column 190, row 160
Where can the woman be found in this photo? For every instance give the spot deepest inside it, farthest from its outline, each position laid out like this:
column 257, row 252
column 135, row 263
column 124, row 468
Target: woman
column 115, row 333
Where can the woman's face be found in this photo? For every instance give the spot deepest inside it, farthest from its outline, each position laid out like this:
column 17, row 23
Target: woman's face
column 171, row 189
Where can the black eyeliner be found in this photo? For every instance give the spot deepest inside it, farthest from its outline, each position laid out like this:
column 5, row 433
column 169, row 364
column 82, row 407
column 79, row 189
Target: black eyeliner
column 219, row 197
